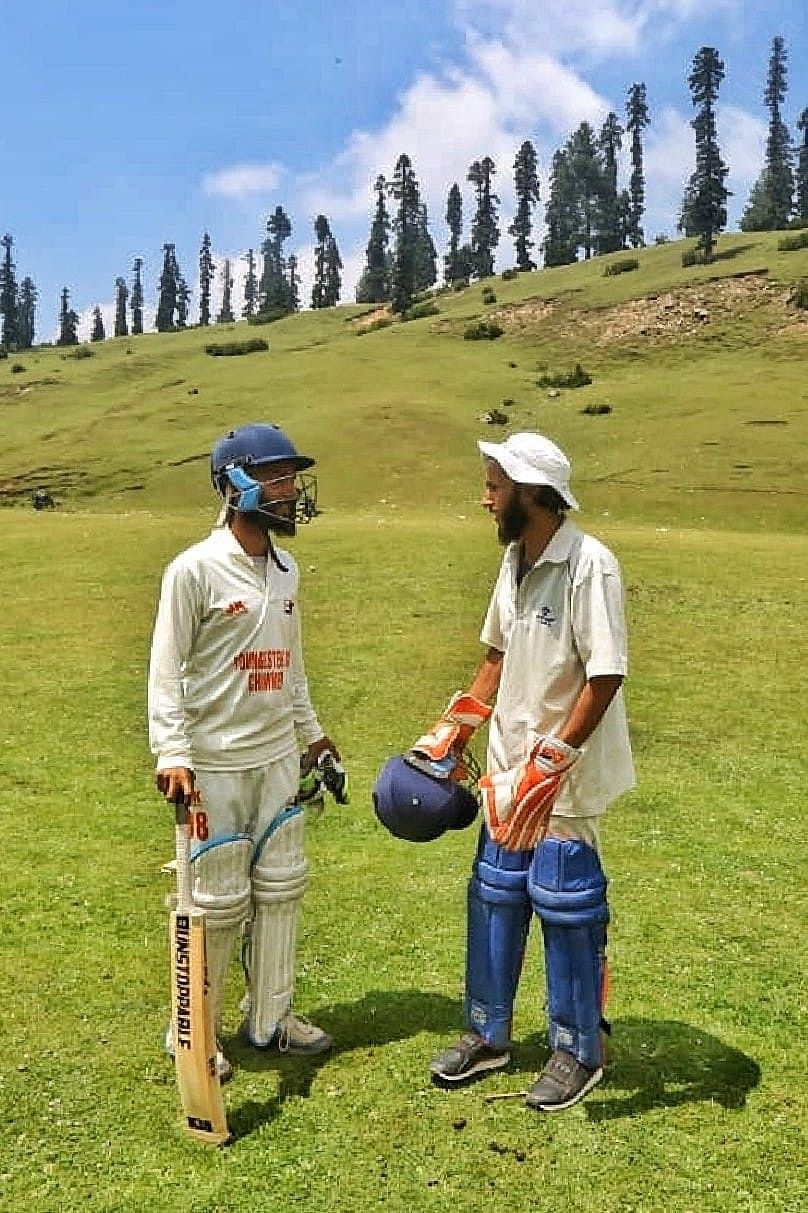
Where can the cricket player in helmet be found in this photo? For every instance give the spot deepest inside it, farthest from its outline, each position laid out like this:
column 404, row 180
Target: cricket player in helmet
column 229, row 711
column 558, row 754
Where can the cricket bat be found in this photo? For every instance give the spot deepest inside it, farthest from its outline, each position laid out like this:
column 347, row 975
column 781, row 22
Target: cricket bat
column 191, row 1018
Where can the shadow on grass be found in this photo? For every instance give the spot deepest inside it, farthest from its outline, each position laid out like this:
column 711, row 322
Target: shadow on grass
column 377, row 1019
column 665, row 1064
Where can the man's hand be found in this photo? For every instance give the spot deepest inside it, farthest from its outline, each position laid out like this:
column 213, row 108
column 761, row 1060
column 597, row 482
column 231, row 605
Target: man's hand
column 450, row 734
column 517, row 803
column 313, row 752
column 324, row 757
column 176, row 784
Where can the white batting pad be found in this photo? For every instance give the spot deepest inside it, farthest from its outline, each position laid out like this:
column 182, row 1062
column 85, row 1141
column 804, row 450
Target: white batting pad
column 221, row 887
column 279, row 881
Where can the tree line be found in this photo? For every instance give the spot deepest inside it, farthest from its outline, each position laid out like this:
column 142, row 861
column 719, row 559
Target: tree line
column 587, row 213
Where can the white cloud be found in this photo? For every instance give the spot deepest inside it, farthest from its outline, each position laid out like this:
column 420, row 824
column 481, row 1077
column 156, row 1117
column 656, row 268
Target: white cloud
column 241, row 180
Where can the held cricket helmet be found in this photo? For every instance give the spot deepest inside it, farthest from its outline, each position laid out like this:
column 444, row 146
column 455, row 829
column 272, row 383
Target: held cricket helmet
column 419, row 807
column 257, row 445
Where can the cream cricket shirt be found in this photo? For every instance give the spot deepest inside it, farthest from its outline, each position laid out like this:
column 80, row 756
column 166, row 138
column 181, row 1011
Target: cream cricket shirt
column 227, row 685
column 561, row 626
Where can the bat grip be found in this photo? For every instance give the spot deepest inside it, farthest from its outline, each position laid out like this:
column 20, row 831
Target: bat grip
column 182, row 840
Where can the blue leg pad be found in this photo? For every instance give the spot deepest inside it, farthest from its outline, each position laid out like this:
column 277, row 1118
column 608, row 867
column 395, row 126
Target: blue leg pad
column 498, row 919
column 567, row 887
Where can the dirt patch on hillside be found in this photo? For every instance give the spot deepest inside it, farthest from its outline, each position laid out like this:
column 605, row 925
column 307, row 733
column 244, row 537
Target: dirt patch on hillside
column 368, row 320
column 664, row 318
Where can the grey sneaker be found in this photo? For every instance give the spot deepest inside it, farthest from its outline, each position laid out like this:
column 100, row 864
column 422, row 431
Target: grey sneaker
column 223, row 1066
column 296, row 1034
column 562, row 1082
column 467, row 1059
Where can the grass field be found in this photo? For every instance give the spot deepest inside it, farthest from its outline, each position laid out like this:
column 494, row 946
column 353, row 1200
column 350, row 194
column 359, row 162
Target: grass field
column 704, row 1106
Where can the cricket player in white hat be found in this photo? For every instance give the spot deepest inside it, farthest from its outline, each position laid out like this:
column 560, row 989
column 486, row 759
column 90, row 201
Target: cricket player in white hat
column 558, row 755
column 229, row 710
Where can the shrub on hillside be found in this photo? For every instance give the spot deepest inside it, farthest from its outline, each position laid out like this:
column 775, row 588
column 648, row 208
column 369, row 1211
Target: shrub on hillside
column 790, row 244
column 489, row 295
column 577, row 377
column 268, row 317
column 509, row 275
column 597, row 410
column 483, row 330
column 231, row 349
column 799, row 296
column 460, row 284
column 79, row 352
column 624, row 266
column 420, row 310
column 17, row 368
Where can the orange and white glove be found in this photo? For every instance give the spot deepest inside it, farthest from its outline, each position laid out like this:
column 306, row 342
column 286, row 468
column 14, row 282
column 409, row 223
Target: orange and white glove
column 450, row 734
column 517, row 803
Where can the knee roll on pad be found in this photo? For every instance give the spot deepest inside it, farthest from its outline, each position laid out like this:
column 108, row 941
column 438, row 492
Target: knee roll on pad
column 279, row 872
column 498, row 920
column 221, row 887
column 567, row 888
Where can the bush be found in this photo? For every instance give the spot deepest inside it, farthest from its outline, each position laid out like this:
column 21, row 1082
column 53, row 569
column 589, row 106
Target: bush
column 79, row 352
column 17, row 367
column 509, row 275
column 488, row 295
column 483, row 330
column 460, row 284
column 790, row 244
column 276, row 313
column 624, row 266
column 597, row 410
column 230, row 349
column 799, row 296
column 381, row 322
column 420, row 310
column 577, row 377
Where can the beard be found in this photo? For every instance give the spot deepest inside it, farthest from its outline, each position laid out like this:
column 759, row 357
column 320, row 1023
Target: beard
column 512, row 521
column 281, row 521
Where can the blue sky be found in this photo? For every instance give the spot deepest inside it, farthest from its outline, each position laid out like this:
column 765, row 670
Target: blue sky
column 126, row 126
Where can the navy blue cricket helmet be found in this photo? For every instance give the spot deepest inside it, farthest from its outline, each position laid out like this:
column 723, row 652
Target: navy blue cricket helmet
column 419, row 807
column 253, row 445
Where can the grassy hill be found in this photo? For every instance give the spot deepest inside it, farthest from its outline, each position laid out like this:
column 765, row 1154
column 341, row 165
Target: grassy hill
column 703, row 370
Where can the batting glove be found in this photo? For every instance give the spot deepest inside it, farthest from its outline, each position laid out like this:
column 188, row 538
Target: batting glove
column 450, row 734
column 517, row 803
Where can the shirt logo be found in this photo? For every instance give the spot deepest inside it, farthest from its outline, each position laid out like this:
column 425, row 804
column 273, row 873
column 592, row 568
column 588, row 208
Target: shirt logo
column 288, row 606
column 235, row 608
column 546, row 616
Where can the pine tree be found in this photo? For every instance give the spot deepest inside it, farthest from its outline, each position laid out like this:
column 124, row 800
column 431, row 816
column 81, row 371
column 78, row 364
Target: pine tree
column 167, row 297
column 206, row 272
column 561, row 217
column 292, row 296
column 484, row 227
column 250, row 287
column 137, row 298
column 426, row 255
column 8, row 296
column 121, row 295
column 274, row 287
column 526, row 185
column 637, row 118
column 26, row 314
column 454, row 221
column 183, row 301
column 68, row 321
column 584, row 159
column 771, row 199
column 333, row 273
column 404, row 189
column 708, row 211
column 322, row 232
column 374, row 284
column 97, row 333
column 226, row 311
column 610, row 222
column 802, row 170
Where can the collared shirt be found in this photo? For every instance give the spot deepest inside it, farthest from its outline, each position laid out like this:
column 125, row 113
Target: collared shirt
column 227, row 684
column 561, row 625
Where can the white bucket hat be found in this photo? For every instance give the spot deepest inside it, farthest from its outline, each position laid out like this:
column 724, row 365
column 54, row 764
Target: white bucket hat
column 532, row 459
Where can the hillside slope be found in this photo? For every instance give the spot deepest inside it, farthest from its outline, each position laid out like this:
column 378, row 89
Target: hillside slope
column 697, row 401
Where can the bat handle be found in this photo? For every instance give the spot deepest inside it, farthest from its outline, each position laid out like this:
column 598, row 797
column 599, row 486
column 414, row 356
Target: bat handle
column 183, row 848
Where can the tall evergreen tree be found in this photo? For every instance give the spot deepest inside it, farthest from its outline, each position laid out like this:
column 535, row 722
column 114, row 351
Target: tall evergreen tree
column 68, row 321
column 333, row 273
column 137, row 297
column 8, row 296
column 121, row 295
column 250, row 287
column 708, row 211
column 610, row 221
column 802, row 169
column 526, row 185
column 26, row 314
column 183, row 301
column 452, row 270
column 584, row 159
column 206, row 272
column 484, row 226
column 637, row 118
column 97, row 333
column 374, row 284
column 322, row 233
column 167, row 291
column 406, row 226
column 771, row 199
column 275, row 294
column 292, row 285
column 226, row 311
column 426, row 255
column 561, row 216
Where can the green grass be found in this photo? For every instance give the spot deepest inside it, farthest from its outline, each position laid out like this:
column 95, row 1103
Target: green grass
column 704, row 1106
